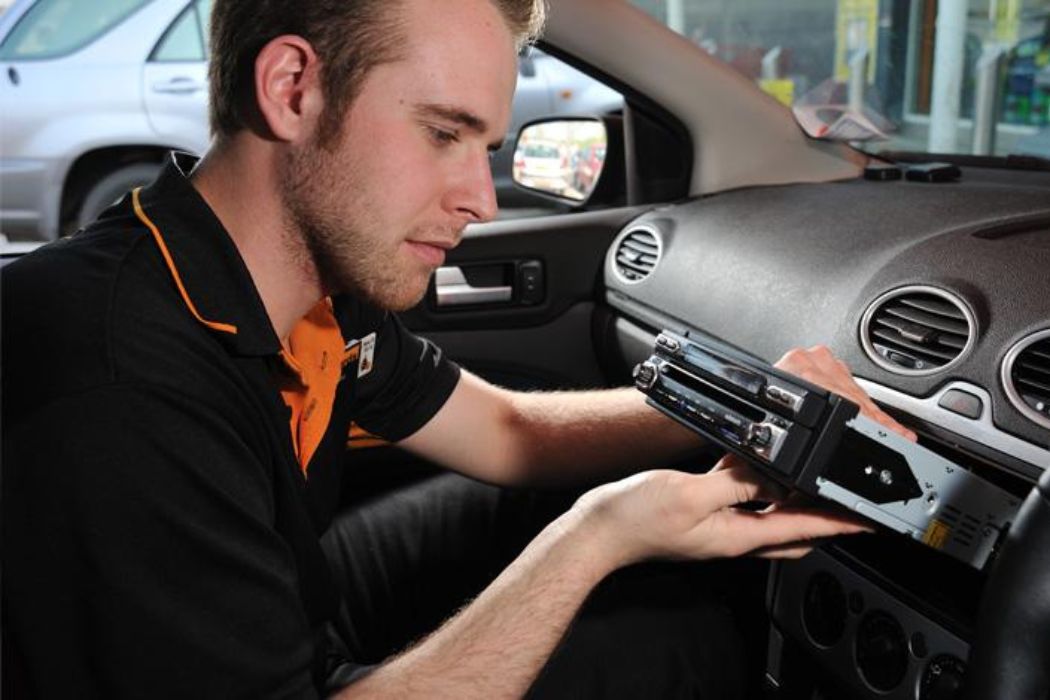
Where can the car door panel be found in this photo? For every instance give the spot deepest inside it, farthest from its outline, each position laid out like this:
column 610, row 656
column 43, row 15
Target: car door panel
column 559, row 353
column 542, row 341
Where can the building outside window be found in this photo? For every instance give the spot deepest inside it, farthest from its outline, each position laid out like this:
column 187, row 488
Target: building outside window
column 939, row 76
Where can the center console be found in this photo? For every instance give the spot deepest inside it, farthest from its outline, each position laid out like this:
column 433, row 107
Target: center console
column 873, row 616
column 876, row 616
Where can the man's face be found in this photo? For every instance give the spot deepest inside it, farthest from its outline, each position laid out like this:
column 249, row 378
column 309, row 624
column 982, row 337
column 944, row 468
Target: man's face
column 378, row 207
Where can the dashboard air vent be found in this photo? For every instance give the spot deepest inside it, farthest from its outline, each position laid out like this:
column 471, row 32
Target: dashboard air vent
column 637, row 252
column 1026, row 377
column 917, row 330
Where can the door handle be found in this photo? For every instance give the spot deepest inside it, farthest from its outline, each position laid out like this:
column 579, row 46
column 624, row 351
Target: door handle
column 453, row 289
column 178, row 86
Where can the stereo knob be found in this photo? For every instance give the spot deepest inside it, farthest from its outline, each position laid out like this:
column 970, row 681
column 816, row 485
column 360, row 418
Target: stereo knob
column 881, row 651
column 824, row 609
column 759, row 435
column 943, row 678
column 645, row 375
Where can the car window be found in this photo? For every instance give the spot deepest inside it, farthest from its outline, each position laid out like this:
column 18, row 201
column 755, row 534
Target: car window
column 961, row 77
column 204, row 17
column 184, row 40
column 53, row 28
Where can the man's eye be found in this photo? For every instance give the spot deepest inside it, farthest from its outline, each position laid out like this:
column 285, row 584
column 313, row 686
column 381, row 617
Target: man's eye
column 441, row 136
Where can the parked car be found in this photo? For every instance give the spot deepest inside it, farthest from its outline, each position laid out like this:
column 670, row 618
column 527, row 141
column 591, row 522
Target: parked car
column 587, row 167
column 95, row 93
column 542, row 165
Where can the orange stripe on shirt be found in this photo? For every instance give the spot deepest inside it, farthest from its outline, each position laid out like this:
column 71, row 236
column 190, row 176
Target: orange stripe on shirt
column 141, row 214
column 360, row 438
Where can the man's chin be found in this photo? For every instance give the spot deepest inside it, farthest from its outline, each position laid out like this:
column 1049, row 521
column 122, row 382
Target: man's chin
column 405, row 303
column 392, row 289
column 395, row 297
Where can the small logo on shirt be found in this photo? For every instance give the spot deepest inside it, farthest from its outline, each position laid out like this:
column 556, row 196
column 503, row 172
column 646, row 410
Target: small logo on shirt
column 368, row 351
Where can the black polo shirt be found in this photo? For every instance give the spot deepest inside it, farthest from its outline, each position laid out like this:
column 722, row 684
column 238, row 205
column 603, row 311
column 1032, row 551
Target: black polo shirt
column 160, row 517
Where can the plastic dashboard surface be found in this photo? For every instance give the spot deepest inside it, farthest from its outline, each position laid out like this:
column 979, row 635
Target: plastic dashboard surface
column 768, row 269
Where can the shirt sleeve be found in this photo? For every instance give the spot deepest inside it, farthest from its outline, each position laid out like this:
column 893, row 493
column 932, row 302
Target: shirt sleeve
column 409, row 381
column 140, row 557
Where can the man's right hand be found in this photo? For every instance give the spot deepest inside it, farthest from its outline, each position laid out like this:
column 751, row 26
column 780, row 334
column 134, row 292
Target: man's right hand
column 675, row 515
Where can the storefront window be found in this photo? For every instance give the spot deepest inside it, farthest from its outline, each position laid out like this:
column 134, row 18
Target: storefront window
column 943, row 76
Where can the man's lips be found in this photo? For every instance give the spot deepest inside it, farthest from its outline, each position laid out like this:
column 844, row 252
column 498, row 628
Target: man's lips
column 432, row 252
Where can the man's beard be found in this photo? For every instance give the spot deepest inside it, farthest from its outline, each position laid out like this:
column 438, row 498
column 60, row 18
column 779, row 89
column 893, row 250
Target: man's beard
column 331, row 232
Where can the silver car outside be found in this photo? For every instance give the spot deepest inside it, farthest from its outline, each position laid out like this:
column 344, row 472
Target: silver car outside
column 82, row 127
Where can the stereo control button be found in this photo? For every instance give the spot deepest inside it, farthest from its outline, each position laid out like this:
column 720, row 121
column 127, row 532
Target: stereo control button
column 669, row 344
column 783, row 397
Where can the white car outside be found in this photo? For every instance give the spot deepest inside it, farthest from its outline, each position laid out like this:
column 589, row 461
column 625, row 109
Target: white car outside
column 85, row 118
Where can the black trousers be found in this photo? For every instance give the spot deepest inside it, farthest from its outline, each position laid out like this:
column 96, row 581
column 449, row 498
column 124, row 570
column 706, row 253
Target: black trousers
column 408, row 560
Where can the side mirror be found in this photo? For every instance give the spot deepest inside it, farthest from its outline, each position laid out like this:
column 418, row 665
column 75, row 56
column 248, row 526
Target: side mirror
column 562, row 158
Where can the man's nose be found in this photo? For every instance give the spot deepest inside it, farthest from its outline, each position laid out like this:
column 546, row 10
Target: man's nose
column 473, row 196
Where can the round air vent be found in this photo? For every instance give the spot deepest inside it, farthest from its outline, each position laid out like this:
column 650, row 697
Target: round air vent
column 636, row 253
column 1026, row 377
column 917, row 330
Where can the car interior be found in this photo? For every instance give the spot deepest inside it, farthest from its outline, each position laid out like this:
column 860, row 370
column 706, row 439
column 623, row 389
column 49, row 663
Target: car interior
column 716, row 213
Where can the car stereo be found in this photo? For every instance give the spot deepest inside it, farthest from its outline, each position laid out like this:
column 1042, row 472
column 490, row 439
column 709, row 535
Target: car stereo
column 818, row 443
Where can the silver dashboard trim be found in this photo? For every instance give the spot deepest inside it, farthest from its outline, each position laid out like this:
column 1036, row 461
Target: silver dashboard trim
column 631, row 228
column 1008, row 386
column 980, row 429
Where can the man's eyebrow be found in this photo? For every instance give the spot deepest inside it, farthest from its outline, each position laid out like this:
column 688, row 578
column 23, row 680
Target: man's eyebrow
column 456, row 115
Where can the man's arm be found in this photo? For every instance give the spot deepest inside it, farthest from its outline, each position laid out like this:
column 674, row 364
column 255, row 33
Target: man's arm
column 509, row 437
column 495, row 647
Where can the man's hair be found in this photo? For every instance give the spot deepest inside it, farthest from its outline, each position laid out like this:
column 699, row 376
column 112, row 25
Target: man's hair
column 350, row 37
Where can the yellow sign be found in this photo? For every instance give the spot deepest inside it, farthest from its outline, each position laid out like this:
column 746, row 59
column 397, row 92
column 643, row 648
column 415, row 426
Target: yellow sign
column 782, row 89
column 856, row 27
column 1007, row 17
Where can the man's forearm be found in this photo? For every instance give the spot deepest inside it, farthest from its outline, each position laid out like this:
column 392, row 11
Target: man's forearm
column 495, row 647
column 540, row 438
column 593, row 433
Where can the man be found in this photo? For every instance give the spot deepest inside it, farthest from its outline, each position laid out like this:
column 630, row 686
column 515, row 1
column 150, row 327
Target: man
column 181, row 377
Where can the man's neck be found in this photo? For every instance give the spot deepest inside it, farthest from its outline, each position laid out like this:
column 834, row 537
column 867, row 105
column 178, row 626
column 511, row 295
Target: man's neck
column 238, row 180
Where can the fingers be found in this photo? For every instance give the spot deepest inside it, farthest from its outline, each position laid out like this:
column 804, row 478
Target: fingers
column 784, row 531
column 787, row 551
column 818, row 365
column 887, row 421
column 733, row 484
column 729, row 461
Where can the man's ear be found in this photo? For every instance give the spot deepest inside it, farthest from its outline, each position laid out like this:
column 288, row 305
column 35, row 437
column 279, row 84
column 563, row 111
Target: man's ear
column 287, row 87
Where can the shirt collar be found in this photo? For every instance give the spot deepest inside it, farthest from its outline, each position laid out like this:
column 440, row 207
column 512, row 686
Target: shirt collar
column 204, row 262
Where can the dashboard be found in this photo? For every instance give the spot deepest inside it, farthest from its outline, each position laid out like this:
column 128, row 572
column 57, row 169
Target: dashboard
column 937, row 295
